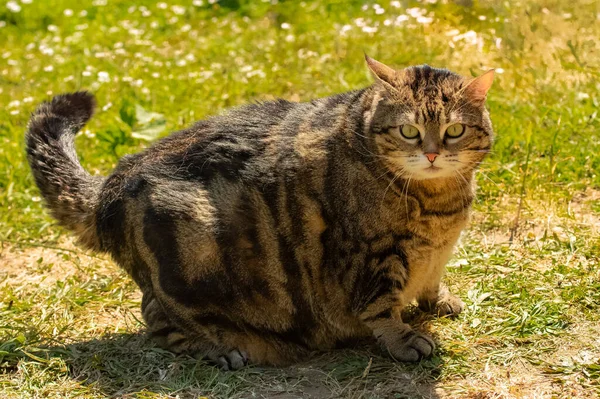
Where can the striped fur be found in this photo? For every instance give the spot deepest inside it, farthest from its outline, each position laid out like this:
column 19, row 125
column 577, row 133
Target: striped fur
column 281, row 228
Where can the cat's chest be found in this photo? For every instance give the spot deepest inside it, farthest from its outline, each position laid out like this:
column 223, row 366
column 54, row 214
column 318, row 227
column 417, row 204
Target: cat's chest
column 434, row 226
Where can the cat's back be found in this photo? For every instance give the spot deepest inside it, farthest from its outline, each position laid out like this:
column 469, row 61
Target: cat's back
column 250, row 142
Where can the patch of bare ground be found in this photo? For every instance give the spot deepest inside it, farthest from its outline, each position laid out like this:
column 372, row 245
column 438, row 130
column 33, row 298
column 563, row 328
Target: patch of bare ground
column 36, row 269
column 37, row 263
column 559, row 373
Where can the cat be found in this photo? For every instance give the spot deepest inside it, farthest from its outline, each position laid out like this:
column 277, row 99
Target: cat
column 281, row 228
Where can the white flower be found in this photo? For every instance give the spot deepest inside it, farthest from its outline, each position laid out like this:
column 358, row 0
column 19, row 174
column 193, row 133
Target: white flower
column 86, row 73
column 400, row 19
column 345, row 29
column 52, row 28
column 28, row 99
column 14, row 104
column 88, row 133
column 396, row 4
column 178, row 10
column 49, row 68
column 46, row 50
column 68, row 12
column 285, row 25
column 83, row 13
column 378, row 9
column 582, row 96
column 13, row 6
column 14, row 112
column 415, row 12
column 155, row 75
column 162, row 6
column 499, row 70
column 369, row 29
column 2, row 24
column 99, row 3
column 107, row 106
column 482, row 17
column 26, row 1
column 103, row 77
column 198, row 3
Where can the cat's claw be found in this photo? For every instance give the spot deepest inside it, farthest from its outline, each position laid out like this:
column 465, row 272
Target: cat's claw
column 233, row 360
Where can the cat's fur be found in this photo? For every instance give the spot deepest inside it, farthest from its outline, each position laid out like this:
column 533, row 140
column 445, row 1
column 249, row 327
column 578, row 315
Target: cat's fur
column 280, row 228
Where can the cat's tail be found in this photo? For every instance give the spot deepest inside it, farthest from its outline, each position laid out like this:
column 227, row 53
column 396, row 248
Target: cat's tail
column 70, row 192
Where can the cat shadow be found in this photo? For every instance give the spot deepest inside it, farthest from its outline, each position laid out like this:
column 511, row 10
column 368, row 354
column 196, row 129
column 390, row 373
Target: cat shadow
column 123, row 365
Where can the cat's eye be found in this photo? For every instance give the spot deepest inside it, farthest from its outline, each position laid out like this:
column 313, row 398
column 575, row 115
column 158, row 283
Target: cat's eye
column 455, row 130
column 409, row 131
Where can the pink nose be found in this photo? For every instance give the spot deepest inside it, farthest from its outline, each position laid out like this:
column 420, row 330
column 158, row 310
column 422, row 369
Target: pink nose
column 431, row 156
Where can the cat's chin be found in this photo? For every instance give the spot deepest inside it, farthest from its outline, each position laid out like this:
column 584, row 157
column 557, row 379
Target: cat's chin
column 433, row 172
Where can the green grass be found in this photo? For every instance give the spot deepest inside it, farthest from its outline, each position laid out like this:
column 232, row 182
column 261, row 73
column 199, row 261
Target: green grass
column 69, row 320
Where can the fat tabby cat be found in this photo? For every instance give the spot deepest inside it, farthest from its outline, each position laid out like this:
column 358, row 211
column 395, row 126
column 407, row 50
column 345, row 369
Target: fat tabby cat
column 280, row 228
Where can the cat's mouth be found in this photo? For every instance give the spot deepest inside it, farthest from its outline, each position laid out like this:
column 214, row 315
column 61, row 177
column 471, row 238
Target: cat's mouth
column 433, row 168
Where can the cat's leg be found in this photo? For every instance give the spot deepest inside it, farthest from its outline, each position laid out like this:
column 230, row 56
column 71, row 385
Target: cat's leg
column 172, row 338
column 440, row 301
column 381, row 301
column 393, row 335
column 435, row 297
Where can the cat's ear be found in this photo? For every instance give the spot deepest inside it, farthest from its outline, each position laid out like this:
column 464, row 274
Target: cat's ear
column 476, row 90
column 383, row 73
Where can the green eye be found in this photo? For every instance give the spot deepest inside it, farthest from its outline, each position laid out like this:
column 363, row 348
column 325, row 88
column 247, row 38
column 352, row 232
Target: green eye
column 409, row 131
column 455, row 130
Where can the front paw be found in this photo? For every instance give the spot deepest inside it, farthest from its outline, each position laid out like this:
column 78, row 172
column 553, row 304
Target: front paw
column 412, row 346
column 446, row 304
column 450, row 305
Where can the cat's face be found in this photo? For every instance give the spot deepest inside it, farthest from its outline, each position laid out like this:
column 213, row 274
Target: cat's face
column 429, row 123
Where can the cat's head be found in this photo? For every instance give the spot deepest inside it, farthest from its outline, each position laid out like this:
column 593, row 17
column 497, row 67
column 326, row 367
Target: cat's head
column 429, row 123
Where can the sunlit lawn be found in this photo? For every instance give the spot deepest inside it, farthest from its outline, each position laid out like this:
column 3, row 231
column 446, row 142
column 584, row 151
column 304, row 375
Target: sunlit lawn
column 527, row 268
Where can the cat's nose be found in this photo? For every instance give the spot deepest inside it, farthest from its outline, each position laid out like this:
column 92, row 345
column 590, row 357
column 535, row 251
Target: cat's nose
column 431, row 156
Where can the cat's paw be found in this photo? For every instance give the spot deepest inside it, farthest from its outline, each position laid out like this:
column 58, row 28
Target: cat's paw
column 413, row 347
column 446, row 304
column 449, row 305
column 234, row 360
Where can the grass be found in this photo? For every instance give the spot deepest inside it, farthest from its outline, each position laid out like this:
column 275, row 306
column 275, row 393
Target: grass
column 527, row 268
